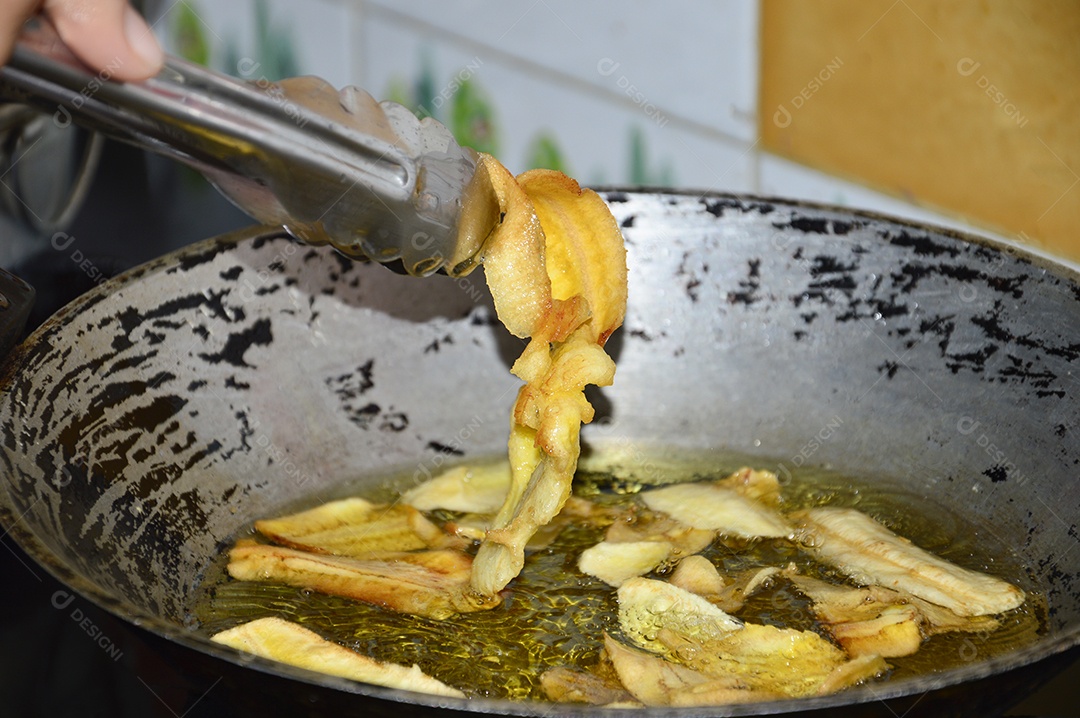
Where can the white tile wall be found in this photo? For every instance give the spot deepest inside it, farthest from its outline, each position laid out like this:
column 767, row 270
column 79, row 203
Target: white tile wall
column 593, row 128
column 568, row 67
column 319, row 32
column 589, row 73
column 697, row 59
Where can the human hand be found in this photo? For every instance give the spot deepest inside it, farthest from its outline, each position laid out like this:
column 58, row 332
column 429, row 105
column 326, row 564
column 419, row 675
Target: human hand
column 102, row 33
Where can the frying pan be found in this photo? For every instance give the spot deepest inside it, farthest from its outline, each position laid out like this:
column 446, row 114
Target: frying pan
column 150, row 421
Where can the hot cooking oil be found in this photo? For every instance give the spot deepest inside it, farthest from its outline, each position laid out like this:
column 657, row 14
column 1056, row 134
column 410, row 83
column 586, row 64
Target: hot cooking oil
column 553, row 615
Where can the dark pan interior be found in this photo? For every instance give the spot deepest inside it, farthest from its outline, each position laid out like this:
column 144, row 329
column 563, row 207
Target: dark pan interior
column 147, row 423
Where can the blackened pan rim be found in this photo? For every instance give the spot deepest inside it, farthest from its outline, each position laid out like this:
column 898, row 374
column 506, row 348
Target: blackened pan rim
column 1062, row 267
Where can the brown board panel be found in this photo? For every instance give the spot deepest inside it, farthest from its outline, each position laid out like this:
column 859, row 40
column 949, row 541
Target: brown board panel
column 969, row 107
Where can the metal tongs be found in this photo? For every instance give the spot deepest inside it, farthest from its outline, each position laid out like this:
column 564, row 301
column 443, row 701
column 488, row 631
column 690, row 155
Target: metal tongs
column 331, row 167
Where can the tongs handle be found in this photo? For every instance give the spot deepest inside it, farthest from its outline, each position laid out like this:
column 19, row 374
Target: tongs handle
column 331, row 167
column 188, row 112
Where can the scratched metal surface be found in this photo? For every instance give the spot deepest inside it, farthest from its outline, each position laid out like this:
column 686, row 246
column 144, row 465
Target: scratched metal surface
column 145, row 424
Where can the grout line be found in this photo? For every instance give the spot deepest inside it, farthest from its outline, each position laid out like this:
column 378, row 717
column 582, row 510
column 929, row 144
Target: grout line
column 755, row 65
column 538, row 70
column 757, row 157
column 755, row 35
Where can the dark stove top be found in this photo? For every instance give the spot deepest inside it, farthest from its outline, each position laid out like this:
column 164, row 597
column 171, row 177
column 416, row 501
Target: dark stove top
column 59, row 654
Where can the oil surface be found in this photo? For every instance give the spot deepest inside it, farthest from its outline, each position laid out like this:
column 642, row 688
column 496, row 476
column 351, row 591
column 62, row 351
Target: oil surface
column 553, row 615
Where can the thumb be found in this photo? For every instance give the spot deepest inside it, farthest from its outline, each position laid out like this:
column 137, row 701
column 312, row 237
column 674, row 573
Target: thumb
column 107, row 35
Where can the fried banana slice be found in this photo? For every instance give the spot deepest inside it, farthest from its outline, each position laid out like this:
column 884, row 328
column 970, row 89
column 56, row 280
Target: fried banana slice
column 424, row 583
column 357, row 528
column 881, row 621
column 514, row 258
column 472, row 489
column 718, row 508
column 837, row 604
column 569, row 685
column 852, row 673
column 556, row 267
column 652, row 526
column 869, row 553
column 754, row 484
column 615, row 563
column 865, row 621
column 742, row 586
column 576, row 511
column 782, row 660
column 639, row 542
column 658, row 682
column 938, row 619
column 543, row 458
column 699, row 576
column 892, row 633
column 286, row 642
column 647, row 606
column 585, row 255
column 689, row 630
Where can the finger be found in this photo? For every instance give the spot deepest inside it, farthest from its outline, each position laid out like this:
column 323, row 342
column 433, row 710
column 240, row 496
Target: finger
column 13, row 13
column 108, row 35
